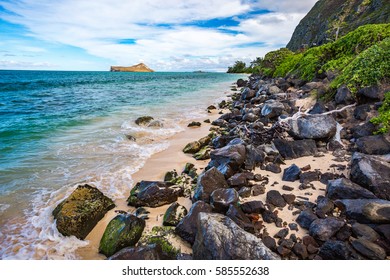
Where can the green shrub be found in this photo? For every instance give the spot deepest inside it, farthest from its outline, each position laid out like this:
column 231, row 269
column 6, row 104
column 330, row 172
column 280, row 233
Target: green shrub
column 383, row 119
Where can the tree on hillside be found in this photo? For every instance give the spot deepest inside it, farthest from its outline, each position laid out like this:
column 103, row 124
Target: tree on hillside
column 238, row 67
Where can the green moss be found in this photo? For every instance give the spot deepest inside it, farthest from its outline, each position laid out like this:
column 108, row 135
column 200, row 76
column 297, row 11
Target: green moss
column 383, row 119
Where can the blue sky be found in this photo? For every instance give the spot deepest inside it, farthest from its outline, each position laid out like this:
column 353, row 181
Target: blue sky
column 169, row 35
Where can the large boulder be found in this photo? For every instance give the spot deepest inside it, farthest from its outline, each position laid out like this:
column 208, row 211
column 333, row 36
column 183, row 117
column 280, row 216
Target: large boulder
column 81, row 211
column 219, row 238
column 208, row 182
column 254, row 157
column 374, row 145
column 369, row 249
column 323, row 229
column 147, row 252
column 334, row 250
column 295, row 149
column 122, row 231
column 186, row 228
column 306, row 218
column 313, row 127
column 373, row 173
column 366, row 211
column 228, row 159
column 365, row 232
column 272, row 109
column 174, row 214
column 153, row 194
column 345, row 189
column 220, row 199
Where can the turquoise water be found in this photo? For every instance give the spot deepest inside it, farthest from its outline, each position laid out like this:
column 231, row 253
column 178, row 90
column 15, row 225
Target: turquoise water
column 58, row 129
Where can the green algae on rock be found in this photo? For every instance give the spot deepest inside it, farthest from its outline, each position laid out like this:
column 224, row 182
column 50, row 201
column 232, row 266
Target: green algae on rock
column 81, row 211
column 122, row 231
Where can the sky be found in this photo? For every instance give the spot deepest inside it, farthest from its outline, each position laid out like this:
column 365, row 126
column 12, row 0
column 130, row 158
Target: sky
column 166, row 35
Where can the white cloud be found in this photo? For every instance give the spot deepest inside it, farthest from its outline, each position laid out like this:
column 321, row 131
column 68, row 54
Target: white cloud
column 159, row 29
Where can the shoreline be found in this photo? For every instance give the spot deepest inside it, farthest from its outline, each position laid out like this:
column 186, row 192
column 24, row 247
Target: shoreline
column 171, row 158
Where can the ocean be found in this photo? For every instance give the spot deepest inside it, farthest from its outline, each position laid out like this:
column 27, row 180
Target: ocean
column 59, row 129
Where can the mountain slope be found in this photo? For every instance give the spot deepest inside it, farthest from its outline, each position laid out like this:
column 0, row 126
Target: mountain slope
column 331, row 19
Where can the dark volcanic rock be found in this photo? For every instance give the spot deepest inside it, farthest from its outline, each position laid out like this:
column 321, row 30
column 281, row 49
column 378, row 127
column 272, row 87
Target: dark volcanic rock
column 258, row 189
column 238, row 180
column 219, row 238
column 153, row 194
column 174, row 214
column 145, row 120
column 245, row 192
column 269, row 242
column 305, row 218
column 374, row 145
column 344, row 96
column 241, row 83
column 186, row 229
column 254, row 157
column 369, row 94
column 291, row 173
column 208, row 182
column 365, row 129
column 372, row 173
column 313, row 127
column 369, row 249
column 364, row 232
column 194, row 124
column 275, row 198
column 384, row 230
column 282, row 233
column 366, row 211
column 238, row 216
column 324, row 207
column 228, row 159
column 122, row 231
column 295, row 149
column 310, row 176
column 273, row 167
column 289, row 198
column 272, row 109
column 147, row 252
column 323, row 229
column 360, row 112
column 345, row 189
column 220, row 199
column 81, row 211
column 300, row 250
column 253, row 207
column 334, row 250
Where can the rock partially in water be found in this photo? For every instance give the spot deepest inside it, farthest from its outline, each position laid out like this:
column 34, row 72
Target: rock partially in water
column 145, row 120
column 219, row 238
column 122, row 231
column 81, row 211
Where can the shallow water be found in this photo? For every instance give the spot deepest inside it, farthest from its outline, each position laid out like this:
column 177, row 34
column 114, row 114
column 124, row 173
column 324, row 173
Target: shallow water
column 59, row 129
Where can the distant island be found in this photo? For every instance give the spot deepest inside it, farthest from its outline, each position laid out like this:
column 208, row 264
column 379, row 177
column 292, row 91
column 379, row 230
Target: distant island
column 135, row 68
